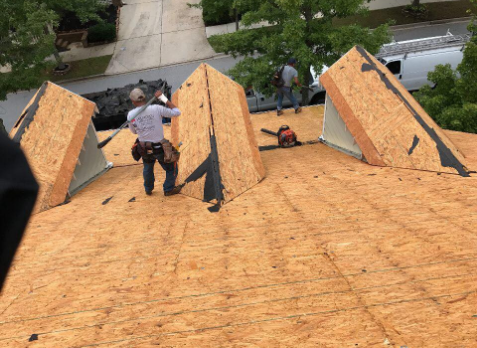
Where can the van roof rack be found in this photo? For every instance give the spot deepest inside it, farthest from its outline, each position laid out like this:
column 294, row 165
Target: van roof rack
column 433, row 43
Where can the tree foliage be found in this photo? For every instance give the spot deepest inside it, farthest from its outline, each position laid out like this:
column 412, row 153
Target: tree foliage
column 86, row 10
column 217, row 12
column 452, row 103
column 25, row 44
column 302, row 29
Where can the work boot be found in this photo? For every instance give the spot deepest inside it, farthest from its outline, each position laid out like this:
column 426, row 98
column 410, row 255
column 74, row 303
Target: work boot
column 148, row 193
column 174, row 191
column 279, row 112
column 297, row 111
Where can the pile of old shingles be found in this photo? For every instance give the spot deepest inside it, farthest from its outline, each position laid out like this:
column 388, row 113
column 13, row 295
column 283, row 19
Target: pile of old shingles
column 114, row 103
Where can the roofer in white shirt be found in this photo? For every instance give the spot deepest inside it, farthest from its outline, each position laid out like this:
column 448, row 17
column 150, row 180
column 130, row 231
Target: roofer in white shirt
column 151, row 143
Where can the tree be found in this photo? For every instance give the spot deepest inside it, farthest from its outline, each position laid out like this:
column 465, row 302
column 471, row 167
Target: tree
column 26, row 42
column 86, row 10
column 217, row 12
column 452, row 103
column 302, row 29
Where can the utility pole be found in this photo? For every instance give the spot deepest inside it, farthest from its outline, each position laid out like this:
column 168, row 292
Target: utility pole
column 61, row 65
column 236, row 19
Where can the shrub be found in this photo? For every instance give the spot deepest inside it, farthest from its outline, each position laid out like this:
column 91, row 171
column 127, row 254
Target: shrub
column 102, row 32
column 217, row 12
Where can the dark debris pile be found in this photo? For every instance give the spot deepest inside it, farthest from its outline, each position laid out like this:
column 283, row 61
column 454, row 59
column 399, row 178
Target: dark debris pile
column 114, row 103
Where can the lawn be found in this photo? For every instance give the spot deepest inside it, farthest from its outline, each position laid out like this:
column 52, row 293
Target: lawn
column 437, row 11
column 83, row 68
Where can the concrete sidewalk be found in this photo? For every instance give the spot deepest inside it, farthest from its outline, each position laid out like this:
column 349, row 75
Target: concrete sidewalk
column 155, row 33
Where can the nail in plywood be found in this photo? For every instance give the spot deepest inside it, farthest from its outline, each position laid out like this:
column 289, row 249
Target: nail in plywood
column 387, row 123
column 52, row 132
column 219, row 156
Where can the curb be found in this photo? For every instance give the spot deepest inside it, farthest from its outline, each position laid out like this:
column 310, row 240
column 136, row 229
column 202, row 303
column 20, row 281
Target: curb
column 429, row 23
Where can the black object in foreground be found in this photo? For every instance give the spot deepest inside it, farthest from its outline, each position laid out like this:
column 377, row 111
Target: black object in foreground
column 18, row 192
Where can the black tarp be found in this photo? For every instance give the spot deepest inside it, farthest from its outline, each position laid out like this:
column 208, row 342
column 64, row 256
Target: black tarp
column 18, row 192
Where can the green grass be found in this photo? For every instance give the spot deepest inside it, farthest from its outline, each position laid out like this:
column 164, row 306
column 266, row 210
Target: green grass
column 82, row 68
column 437, row 11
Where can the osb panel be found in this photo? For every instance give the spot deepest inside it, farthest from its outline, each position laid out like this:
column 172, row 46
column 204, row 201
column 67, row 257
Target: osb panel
column 192, row 128
column 239, row 159
column 53, row 141
column 331, row 252
column 368, row 105
column 308, row 125
column 466, row 144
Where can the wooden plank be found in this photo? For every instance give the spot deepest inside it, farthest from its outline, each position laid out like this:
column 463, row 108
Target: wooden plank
column 192, row 128
column 215, row 126
column 388, row 124
column 53, row 140
column 327, row 251
column 239, row 159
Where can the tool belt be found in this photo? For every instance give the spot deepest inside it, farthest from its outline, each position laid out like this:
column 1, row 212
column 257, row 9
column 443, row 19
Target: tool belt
column 163, row 151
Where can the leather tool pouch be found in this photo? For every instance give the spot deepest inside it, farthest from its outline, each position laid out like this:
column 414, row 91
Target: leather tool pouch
column 171, row 155
column 135, row 151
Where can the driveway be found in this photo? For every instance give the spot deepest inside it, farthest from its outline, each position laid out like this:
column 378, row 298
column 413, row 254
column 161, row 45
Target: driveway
column 156, row 33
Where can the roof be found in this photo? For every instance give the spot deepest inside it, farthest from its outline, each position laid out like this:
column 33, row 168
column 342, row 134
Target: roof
column 327, row 250
column 387, row 123
column 219, row 155
column 51, row 132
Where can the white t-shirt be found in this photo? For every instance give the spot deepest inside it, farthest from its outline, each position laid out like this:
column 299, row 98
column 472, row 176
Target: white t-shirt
column 148, row 125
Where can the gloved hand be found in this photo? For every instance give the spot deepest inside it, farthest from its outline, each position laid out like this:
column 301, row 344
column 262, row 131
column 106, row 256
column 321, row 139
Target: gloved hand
column 159, row 95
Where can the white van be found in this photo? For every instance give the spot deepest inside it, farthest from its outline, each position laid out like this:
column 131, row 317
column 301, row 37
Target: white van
column 411, row 61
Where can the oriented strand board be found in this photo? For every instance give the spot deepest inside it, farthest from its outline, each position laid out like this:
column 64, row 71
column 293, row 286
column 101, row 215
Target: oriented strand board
column 219, row 154
column 326, row 252
column 389, row 126
column 53, row 139
column 193, row 129
column 239, row 159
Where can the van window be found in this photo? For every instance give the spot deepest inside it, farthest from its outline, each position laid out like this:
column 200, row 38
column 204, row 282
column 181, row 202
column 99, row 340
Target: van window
column 394, row 67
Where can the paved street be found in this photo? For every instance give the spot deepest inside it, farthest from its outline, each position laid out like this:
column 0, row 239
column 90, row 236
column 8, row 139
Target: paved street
column 11, row 109
column 380, row 4
column 426, row 30
column 177, row 74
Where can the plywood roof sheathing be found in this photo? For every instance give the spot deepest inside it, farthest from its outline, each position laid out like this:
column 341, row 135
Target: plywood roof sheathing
column 388, row 124
column 52, row 134
column 219, row 156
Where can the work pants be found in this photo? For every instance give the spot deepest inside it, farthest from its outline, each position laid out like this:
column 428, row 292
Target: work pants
column 286, row 92
column 171, row 170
